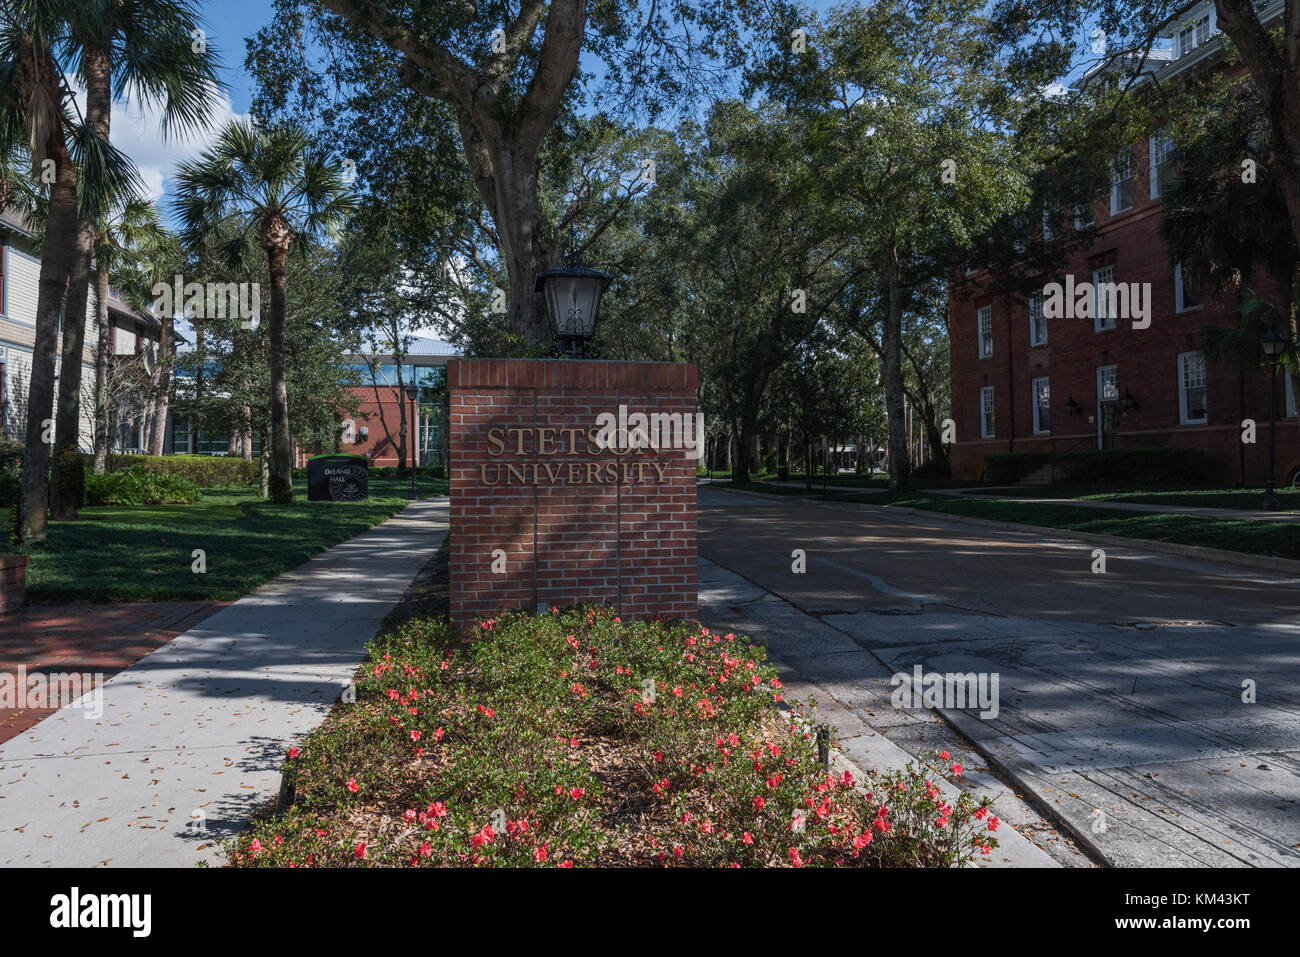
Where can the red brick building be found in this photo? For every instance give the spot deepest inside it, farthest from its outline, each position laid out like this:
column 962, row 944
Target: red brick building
column 376, row 429
column 1023, row 382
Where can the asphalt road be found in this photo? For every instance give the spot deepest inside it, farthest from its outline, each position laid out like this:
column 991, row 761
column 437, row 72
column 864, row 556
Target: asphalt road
column 1154, row 707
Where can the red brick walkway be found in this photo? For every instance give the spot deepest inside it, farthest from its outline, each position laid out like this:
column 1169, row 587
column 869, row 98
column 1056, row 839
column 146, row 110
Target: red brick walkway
column 87, row 638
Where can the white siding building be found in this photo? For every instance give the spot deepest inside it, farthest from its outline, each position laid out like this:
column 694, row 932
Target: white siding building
column 19, row 282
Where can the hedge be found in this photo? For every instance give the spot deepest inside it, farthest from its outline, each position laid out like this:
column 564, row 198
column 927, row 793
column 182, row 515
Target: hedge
column 1007, row 468
column 205, row 471
column 1143, row 467
column 11, row 468
column 135, row 486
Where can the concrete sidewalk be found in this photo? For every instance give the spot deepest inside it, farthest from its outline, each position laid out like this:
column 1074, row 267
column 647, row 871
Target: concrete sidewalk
column 192, row 737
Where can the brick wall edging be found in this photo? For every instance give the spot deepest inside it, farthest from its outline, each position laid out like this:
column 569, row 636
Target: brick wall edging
column 13, row 582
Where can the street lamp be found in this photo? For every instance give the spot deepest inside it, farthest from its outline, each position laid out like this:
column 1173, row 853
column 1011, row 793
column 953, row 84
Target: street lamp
column 1273, row 346
column 572, row 295
column 413, row 393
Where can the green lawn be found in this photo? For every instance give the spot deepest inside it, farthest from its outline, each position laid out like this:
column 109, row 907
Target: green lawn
column 1280, row 539
column 1288, row 497
column 133, row 553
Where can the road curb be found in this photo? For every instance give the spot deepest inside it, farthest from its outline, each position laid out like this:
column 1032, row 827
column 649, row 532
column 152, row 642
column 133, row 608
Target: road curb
column 1029, row 793
column 1258, row 562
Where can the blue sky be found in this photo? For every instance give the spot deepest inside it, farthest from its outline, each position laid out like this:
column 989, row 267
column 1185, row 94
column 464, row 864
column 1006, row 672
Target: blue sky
column 227, row 23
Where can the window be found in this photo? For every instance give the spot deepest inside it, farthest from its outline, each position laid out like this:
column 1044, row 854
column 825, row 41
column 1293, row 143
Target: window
column 1121, row 182
column 984, row 315
column 180, row 436
column 1191, row 389
column 1020, row 233
column 1103, row 302
column 1107, row 383
column 1084, row 215
column 1162, row 164
column 1287, row 389
column 1049, row 231
column 1037, row 321
column 1186, row 296
column 1191, row 36
column 986, row 412
column 1041, row 397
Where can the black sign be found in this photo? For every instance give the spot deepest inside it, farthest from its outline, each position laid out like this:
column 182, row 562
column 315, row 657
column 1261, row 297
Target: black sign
column 338, row 478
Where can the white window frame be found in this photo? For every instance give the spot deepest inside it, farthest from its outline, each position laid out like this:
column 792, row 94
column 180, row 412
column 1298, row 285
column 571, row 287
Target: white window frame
column 1193, row 35
column 1020, row 233
column 1183, row 417
column 1159, row 146
column 1037, row 321
column 988, row 421
column 1121, row 164
column 1037, row 408
column 981, row 314
column 1098, row 302
column 1179, row 305
column 1102, row 376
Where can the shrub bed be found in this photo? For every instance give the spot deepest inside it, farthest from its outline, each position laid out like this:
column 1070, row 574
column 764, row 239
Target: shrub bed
column 1140, row 467
column 573, row 739
column 205, row 471
column 139, row 487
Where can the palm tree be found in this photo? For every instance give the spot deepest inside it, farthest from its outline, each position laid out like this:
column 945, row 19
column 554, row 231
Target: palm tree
column 272, row 190
column 36, row 111
column 139, row 47
column 130, row 248
column 146, row 50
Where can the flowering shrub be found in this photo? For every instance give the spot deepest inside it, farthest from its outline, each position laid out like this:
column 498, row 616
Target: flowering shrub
column 572, row 738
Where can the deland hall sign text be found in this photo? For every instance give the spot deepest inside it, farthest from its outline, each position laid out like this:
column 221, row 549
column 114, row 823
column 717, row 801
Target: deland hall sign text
column 630, row 438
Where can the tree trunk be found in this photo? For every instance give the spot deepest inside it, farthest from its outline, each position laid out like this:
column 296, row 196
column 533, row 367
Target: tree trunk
column 37, row 69
column 246, row 434
column 281, row 451
column 162, row 398
column 505, row 176
column 103, row 354
column 891, row 345
column 401, row 408
column 264, row 486
column 1276, row 75
column 69, row 477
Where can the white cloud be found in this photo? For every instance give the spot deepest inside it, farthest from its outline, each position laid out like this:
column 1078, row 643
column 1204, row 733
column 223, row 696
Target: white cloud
column 137, row 131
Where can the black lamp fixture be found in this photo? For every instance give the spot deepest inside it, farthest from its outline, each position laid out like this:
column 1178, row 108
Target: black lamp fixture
column 413, row 396
column 1127, row 403
column 572, row 295
column 1072, row 407
column 1273, row 345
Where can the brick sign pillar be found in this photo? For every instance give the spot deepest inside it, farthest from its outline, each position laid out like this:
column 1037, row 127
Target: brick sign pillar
column 542, row 514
